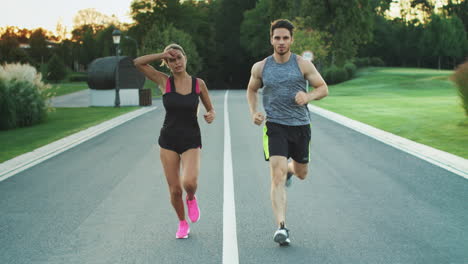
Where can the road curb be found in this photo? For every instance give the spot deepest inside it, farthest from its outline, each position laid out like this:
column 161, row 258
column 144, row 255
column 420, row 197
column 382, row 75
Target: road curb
column 27, row 160
column 450, row 162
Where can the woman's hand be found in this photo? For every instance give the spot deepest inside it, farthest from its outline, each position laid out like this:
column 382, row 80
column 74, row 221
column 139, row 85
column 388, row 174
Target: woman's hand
column 170, row 54
column 210, row 116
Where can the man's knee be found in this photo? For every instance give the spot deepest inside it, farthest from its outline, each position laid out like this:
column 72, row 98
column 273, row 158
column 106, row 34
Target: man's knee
column 302, row 175
column 301, row 170
column 278, row 170
column 279, row 175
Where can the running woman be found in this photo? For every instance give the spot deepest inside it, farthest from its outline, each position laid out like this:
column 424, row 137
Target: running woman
column 180, row 139
column 286, row 135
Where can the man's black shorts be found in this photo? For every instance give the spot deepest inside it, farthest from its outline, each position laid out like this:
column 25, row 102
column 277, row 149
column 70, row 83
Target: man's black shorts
column 287, row 141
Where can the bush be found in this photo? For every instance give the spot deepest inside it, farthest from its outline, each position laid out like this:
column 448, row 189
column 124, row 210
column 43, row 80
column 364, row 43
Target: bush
column 350, row 69
column 56, row 70
column 362, row 62
column 78, row 77
column 366, row 62
column 23, row 96
column 42, row 69
column 29, row 105
column 334, row 75
column 460, row 77
column 375, row 61
column 7, row 108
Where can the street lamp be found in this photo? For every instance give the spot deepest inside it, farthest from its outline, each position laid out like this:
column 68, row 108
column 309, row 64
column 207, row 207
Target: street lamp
column 116, row 38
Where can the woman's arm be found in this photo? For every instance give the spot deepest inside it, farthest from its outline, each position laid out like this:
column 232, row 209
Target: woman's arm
column 205, row 98
column 142, row 64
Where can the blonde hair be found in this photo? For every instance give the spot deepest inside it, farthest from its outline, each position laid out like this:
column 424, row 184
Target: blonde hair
column 173, row 46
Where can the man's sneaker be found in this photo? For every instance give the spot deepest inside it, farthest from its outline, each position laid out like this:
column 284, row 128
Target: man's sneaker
column 193, row 210
column 288, row 179
column 184, row 229
column 282, row 236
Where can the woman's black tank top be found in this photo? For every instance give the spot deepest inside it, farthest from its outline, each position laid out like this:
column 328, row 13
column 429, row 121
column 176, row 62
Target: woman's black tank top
column 181, row 112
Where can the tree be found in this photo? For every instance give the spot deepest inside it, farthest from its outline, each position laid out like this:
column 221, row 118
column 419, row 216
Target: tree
column 9, row 48
column 199, row 22
column 230, row 53
column 458, row 8
column 157, row 39
column 144, row 16
column 424, row 7
column 439, row 38
column 146, row 13
column 255, row 31
column 65, row 51
column 349, row 24
column 104, row 43
column 86, row 50
column 306, row 38
column 458, row 43
column 56, row 70
column 91, row 17
column 61, row 30
column 39, row 51
column 380, row 6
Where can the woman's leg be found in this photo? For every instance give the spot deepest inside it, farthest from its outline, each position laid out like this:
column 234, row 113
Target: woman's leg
column 171, row 164
column 190, row 171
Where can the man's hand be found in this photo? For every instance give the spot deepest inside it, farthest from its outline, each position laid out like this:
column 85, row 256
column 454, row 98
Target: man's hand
column 209, row 116
column 302, row 98
column 258, row 118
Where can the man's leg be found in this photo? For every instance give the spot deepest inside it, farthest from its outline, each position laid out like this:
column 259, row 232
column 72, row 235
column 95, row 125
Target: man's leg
column 299, row 152
column 298, row 169
column 276, row 151
column 278, row 170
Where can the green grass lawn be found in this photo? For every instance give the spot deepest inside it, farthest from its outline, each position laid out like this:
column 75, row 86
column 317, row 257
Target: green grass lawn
column 71, row 87
column 155, row 91
column 68, row 87
column 418, row 104
column 61, row 123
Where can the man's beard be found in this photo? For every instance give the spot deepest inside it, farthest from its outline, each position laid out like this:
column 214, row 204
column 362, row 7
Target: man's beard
column 286, row 50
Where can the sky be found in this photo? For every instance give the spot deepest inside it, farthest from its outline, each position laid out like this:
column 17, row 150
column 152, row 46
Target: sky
column 46, row 13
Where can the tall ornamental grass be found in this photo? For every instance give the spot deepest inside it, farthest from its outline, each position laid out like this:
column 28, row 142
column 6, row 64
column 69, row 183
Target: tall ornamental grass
column 24, row 98
column 460, row 77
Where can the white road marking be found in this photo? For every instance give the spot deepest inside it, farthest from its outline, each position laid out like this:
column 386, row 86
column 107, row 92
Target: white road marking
column 230, row 251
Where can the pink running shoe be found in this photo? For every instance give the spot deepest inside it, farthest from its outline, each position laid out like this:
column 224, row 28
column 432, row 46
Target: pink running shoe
column 193, row 210
column 184, row 229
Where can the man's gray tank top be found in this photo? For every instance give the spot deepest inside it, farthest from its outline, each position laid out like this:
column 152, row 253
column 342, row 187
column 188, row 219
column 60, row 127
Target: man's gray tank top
column 281, row 83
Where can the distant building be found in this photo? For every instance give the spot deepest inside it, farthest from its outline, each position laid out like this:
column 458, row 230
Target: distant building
column 50, row 44
column 24, row 46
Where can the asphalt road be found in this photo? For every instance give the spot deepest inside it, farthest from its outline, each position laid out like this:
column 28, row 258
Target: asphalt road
column 106, row 201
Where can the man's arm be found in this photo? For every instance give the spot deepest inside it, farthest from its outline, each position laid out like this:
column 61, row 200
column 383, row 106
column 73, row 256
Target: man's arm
column 255, row 83
column 315, row 80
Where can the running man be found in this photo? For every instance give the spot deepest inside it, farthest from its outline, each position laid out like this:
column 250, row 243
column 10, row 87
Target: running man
column 286, row 134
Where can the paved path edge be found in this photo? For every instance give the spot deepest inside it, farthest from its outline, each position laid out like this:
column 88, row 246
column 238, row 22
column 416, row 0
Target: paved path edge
column 450, row 162
column 27, row 160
